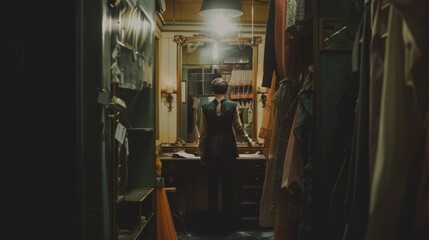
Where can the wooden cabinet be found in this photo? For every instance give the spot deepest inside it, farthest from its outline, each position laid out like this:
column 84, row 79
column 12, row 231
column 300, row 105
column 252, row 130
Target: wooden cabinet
column 250, row 175
column 132, row 113
column 135, row 207
column 136, row 215
column 188, row 176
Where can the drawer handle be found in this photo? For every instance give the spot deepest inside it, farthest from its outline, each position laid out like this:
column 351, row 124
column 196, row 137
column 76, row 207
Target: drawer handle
column 257, row 166
column 171, row 166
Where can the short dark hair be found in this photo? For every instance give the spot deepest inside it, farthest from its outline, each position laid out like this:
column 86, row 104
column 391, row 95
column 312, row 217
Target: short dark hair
column 219, row 86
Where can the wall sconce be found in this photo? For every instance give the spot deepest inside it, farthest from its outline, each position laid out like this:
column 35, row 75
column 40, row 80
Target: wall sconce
column 169, row 98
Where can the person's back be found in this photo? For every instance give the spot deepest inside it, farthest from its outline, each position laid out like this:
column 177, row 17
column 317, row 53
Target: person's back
column 217, row 145
column 220, row 136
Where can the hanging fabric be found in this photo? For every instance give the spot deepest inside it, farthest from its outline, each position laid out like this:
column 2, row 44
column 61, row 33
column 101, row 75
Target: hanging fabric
column 265, row 132
column 394, row 181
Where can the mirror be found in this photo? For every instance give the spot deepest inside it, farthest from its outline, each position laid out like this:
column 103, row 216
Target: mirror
column 200, row 60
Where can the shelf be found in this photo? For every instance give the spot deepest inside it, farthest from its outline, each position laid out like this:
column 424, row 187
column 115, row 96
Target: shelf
column 141, row 129
column 208, row 65
column 120, row 198
column 201, row 95
column 137, row 194
column 249, row 203
column 250, row 187
column 134, row 234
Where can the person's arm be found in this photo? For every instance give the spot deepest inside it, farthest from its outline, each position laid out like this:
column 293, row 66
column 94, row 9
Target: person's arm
column 239, row 130
column 203, row 137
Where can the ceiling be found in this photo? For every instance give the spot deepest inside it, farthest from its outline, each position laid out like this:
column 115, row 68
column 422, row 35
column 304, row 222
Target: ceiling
column 186, row 11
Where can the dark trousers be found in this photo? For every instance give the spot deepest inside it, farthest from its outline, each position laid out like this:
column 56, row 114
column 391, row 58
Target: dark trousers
column 220, row 167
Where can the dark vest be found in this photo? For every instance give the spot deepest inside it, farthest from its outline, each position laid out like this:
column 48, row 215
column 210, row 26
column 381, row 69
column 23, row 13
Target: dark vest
column 220, row 136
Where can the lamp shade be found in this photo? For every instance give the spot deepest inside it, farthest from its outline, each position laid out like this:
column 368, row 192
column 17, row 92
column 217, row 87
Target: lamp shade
column 228, row 8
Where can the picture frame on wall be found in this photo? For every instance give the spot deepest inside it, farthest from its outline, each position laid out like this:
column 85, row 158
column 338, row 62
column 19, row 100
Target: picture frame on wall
column 337, row 34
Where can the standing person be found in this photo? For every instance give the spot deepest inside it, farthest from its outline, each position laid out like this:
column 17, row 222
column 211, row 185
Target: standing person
column 217, row 145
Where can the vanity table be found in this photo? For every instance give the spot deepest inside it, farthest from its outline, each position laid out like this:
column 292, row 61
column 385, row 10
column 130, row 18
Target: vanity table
column 188, row 176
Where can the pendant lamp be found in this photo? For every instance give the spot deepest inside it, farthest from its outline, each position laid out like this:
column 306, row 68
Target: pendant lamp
column 227, row 8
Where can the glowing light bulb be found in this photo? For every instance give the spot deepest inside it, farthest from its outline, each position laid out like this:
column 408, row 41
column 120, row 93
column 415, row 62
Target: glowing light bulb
column 215, row 51
column 221, row 24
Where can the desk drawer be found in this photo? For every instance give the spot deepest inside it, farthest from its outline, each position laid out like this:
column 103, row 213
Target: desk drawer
column 249, row 222
column 182, row 165
column 250, row 165
column 251, row 193
column 172, row 179
column 249, row 208
column 252, row 179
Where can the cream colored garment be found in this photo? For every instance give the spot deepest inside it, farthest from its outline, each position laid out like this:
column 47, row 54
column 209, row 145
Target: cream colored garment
column 195, row 131
column 265, row 218
column 293, row 167
column 397, row 135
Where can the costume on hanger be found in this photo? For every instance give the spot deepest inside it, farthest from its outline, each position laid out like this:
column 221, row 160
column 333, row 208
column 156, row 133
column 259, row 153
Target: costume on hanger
column 342, row 155
column 399, row 107
column 282, row 200
column 267, row 126
column 270, row 64
column 195, row 136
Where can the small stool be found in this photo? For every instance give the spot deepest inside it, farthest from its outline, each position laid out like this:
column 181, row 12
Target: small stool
column 178, row 213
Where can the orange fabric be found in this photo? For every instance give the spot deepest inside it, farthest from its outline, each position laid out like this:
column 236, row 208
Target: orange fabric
column 285, row 226
column 265, row 218
column 267, row 120
column 280, row 39
column 165, row 229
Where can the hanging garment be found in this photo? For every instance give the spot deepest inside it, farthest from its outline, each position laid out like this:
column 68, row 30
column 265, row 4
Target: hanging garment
column 265, row 219
column 284, row 208
column 270, row 64
column 298, row 147
column 299, row 51
column 415, row 14
column 420, row 217
column 280, row 38
column 195, row 131
column 397, row 138
column 341, row 162
column 286, row 226
column 267, row 119
column 357, row 188
column 293, row 167
column 377, row 52
column 285, row 108
column 298, row 164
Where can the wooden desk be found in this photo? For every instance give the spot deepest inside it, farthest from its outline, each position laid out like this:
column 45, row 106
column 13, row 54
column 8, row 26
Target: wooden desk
column 188, row 176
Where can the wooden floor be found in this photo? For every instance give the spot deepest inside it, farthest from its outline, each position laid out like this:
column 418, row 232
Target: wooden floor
column 238, row 235
column 204, row 226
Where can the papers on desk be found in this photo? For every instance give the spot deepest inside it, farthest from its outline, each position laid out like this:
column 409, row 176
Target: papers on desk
column 252, row 155
column 183, row 154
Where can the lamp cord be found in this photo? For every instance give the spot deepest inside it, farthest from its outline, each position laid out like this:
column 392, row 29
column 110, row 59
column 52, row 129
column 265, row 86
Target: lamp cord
column 252, row 21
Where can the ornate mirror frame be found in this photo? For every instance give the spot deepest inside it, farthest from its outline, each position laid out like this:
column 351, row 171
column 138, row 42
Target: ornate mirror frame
column 181, row 41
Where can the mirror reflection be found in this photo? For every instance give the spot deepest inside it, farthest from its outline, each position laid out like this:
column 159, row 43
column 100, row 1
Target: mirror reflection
column 204, row 60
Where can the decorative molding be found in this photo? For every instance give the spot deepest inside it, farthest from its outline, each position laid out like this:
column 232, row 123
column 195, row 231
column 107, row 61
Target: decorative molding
column 202, row 31
column 199, row 24
column 256, row 41
column 180, row 40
